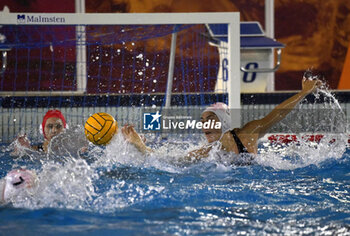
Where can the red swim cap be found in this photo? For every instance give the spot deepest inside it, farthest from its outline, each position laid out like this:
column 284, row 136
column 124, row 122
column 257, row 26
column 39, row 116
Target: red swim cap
column 53, row 113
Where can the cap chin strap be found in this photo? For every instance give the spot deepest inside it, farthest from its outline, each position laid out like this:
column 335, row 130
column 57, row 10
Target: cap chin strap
column 223, row 133
column 219, row 140
column 216, row 144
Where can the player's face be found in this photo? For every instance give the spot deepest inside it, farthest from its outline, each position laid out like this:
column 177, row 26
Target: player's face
column 53, row 127
column 211, row 134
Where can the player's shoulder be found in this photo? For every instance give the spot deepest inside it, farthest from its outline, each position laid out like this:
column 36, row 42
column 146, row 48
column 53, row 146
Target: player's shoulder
column 250, row 127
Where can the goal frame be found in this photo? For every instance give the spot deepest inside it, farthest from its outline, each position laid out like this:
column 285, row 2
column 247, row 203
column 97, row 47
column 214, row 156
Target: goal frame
column 83, row 19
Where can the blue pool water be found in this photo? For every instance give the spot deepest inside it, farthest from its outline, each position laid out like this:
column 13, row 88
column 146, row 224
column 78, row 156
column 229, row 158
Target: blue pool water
column 115, row 191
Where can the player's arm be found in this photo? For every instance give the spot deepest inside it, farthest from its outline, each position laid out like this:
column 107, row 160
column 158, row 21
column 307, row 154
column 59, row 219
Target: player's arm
column 198, row 154
column 22, row 142
column 281, row 111
column 134, row 138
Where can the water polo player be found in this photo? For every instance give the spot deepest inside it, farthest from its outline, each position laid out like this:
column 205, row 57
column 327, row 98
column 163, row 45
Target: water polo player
column 53, row 124
column 237, row 140
column 16, row 182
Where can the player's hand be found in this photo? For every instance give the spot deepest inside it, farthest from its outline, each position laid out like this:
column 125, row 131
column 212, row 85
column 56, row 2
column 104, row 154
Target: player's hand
column 20, row 143
column 310, row 85
column 133, row 137
column 23, row 141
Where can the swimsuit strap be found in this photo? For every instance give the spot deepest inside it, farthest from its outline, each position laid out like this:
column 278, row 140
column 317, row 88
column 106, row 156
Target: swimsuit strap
column 240, row 146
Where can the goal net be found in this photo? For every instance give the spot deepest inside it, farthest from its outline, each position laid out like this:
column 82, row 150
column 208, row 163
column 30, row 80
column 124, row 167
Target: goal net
column 115, row 63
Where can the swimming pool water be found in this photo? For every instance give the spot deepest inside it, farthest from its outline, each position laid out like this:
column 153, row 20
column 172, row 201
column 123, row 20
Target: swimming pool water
column 124, row 194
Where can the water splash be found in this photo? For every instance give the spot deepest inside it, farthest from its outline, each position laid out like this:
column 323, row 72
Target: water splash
column 324, row 117
column 104, row 179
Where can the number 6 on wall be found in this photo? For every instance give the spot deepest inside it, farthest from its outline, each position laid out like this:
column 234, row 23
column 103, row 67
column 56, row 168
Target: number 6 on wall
column 224, row 69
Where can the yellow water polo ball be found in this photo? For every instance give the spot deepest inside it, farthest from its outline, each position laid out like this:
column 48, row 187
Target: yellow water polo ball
column 100, row 128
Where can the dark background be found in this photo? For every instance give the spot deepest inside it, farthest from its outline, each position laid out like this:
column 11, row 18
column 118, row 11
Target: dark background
column 316, row 33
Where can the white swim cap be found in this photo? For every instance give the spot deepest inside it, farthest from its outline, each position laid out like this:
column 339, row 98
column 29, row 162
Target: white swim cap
column 223, row 113
column 18, row 180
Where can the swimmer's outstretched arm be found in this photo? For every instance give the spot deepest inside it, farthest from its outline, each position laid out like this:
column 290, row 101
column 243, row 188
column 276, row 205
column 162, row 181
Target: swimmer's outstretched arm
column 134, row 138
column 22, row 142
column 281, row 111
